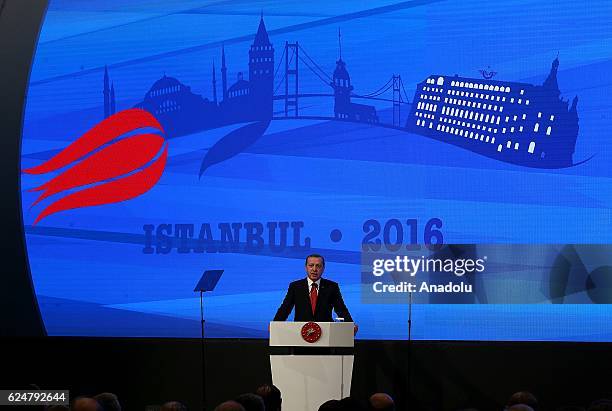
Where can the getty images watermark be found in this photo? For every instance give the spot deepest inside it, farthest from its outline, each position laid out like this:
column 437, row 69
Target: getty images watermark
column 444, row 274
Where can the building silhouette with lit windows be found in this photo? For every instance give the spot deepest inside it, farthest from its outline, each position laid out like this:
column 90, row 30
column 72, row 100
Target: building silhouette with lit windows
column 518, row 123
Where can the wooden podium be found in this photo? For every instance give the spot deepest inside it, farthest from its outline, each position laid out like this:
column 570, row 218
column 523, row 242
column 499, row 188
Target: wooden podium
column 310, row 373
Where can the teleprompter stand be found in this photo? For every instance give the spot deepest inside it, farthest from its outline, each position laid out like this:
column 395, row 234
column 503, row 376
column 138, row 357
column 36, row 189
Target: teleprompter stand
column 207, row 282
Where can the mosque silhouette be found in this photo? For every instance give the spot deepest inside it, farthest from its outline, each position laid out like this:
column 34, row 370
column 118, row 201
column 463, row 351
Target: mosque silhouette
column 180, row 111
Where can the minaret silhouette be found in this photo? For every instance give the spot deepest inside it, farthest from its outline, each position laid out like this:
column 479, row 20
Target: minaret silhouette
column 106, row 93
column 214, row 84
column 223, row 73
column 112, row 99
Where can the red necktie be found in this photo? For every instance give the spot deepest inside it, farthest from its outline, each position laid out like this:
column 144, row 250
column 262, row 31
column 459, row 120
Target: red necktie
column 313, row 297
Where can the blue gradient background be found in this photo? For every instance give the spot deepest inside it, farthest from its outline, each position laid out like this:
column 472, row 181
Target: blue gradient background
column 89, row 270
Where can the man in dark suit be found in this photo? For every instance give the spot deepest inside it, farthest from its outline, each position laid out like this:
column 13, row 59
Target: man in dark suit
column 313, row 297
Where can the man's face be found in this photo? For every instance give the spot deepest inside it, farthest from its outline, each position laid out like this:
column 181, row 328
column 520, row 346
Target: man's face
column 314, row 268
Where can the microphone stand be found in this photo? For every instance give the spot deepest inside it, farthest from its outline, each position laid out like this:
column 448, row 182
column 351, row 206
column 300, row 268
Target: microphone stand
column 203, row 352
column 409, row 376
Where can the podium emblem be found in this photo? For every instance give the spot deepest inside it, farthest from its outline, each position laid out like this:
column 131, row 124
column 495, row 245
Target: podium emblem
column 311, row 332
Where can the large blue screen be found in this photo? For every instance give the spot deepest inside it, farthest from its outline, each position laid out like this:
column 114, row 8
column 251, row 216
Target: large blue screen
column 162, row 139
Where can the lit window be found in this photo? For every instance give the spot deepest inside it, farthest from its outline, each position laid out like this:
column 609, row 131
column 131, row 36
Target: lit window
column 440, row 81
column 499, row 148
column 471, row 115
column 515, row 117
column 522, row 92
column 501, row 108
column 486, row 86
column 526, row 102
column 531, row 147
column 490, row 106
column 552, row 117
column 438, row 128
column 480, row 86
column 461, row 133
column 536, row 127
column 516, row 146
column 481, row 116
column 508, row 143
column 521, row 129
column 520, row 101
column 503, row 98
column 512, row 129
column 461, row 84
column 418, row 122
column 481, row 137
column 493, row 140
column 512, row 99
column 471, row 134
column 524, row 116
column 548, row 130
column 497, row 98
column 487, row 139
column 496, row 88
column 540, row 114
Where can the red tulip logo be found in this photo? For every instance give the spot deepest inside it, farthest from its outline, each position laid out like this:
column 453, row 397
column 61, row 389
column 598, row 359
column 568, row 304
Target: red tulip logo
column 115, row 169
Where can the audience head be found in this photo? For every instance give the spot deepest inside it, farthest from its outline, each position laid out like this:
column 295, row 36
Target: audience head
column 86, row 404
column 519, row 407
column 108, row 401
column 601, row 405
column 382, row 402
column 271, row 396
column 229, row 406
column 173, row 406
column 523, row 397
column 251, row 402
column 331, row 405
column 351, row 404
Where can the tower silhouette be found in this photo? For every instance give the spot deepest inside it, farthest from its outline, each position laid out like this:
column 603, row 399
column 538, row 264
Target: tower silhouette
column 223, row 73
column 106, row 92
column 112, row 99
column 214, row 84
column 341, row 83
column 261, row 73
column 551, row 81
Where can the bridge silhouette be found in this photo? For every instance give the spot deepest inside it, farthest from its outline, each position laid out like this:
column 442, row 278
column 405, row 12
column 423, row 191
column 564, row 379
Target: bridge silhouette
column 393, row 91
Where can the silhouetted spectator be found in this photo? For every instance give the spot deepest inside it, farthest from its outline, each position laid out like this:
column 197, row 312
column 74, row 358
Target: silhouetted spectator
column 251, row 402
column 86, row 404
column 108, row 401
column 523, row 397
column 519, row 407
column 271, row 396
column 382, row 402
column 173, row 406
column 331, row 405
column 601, row 405
column 571, row 408
column 229, row 406
column 351, row 404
